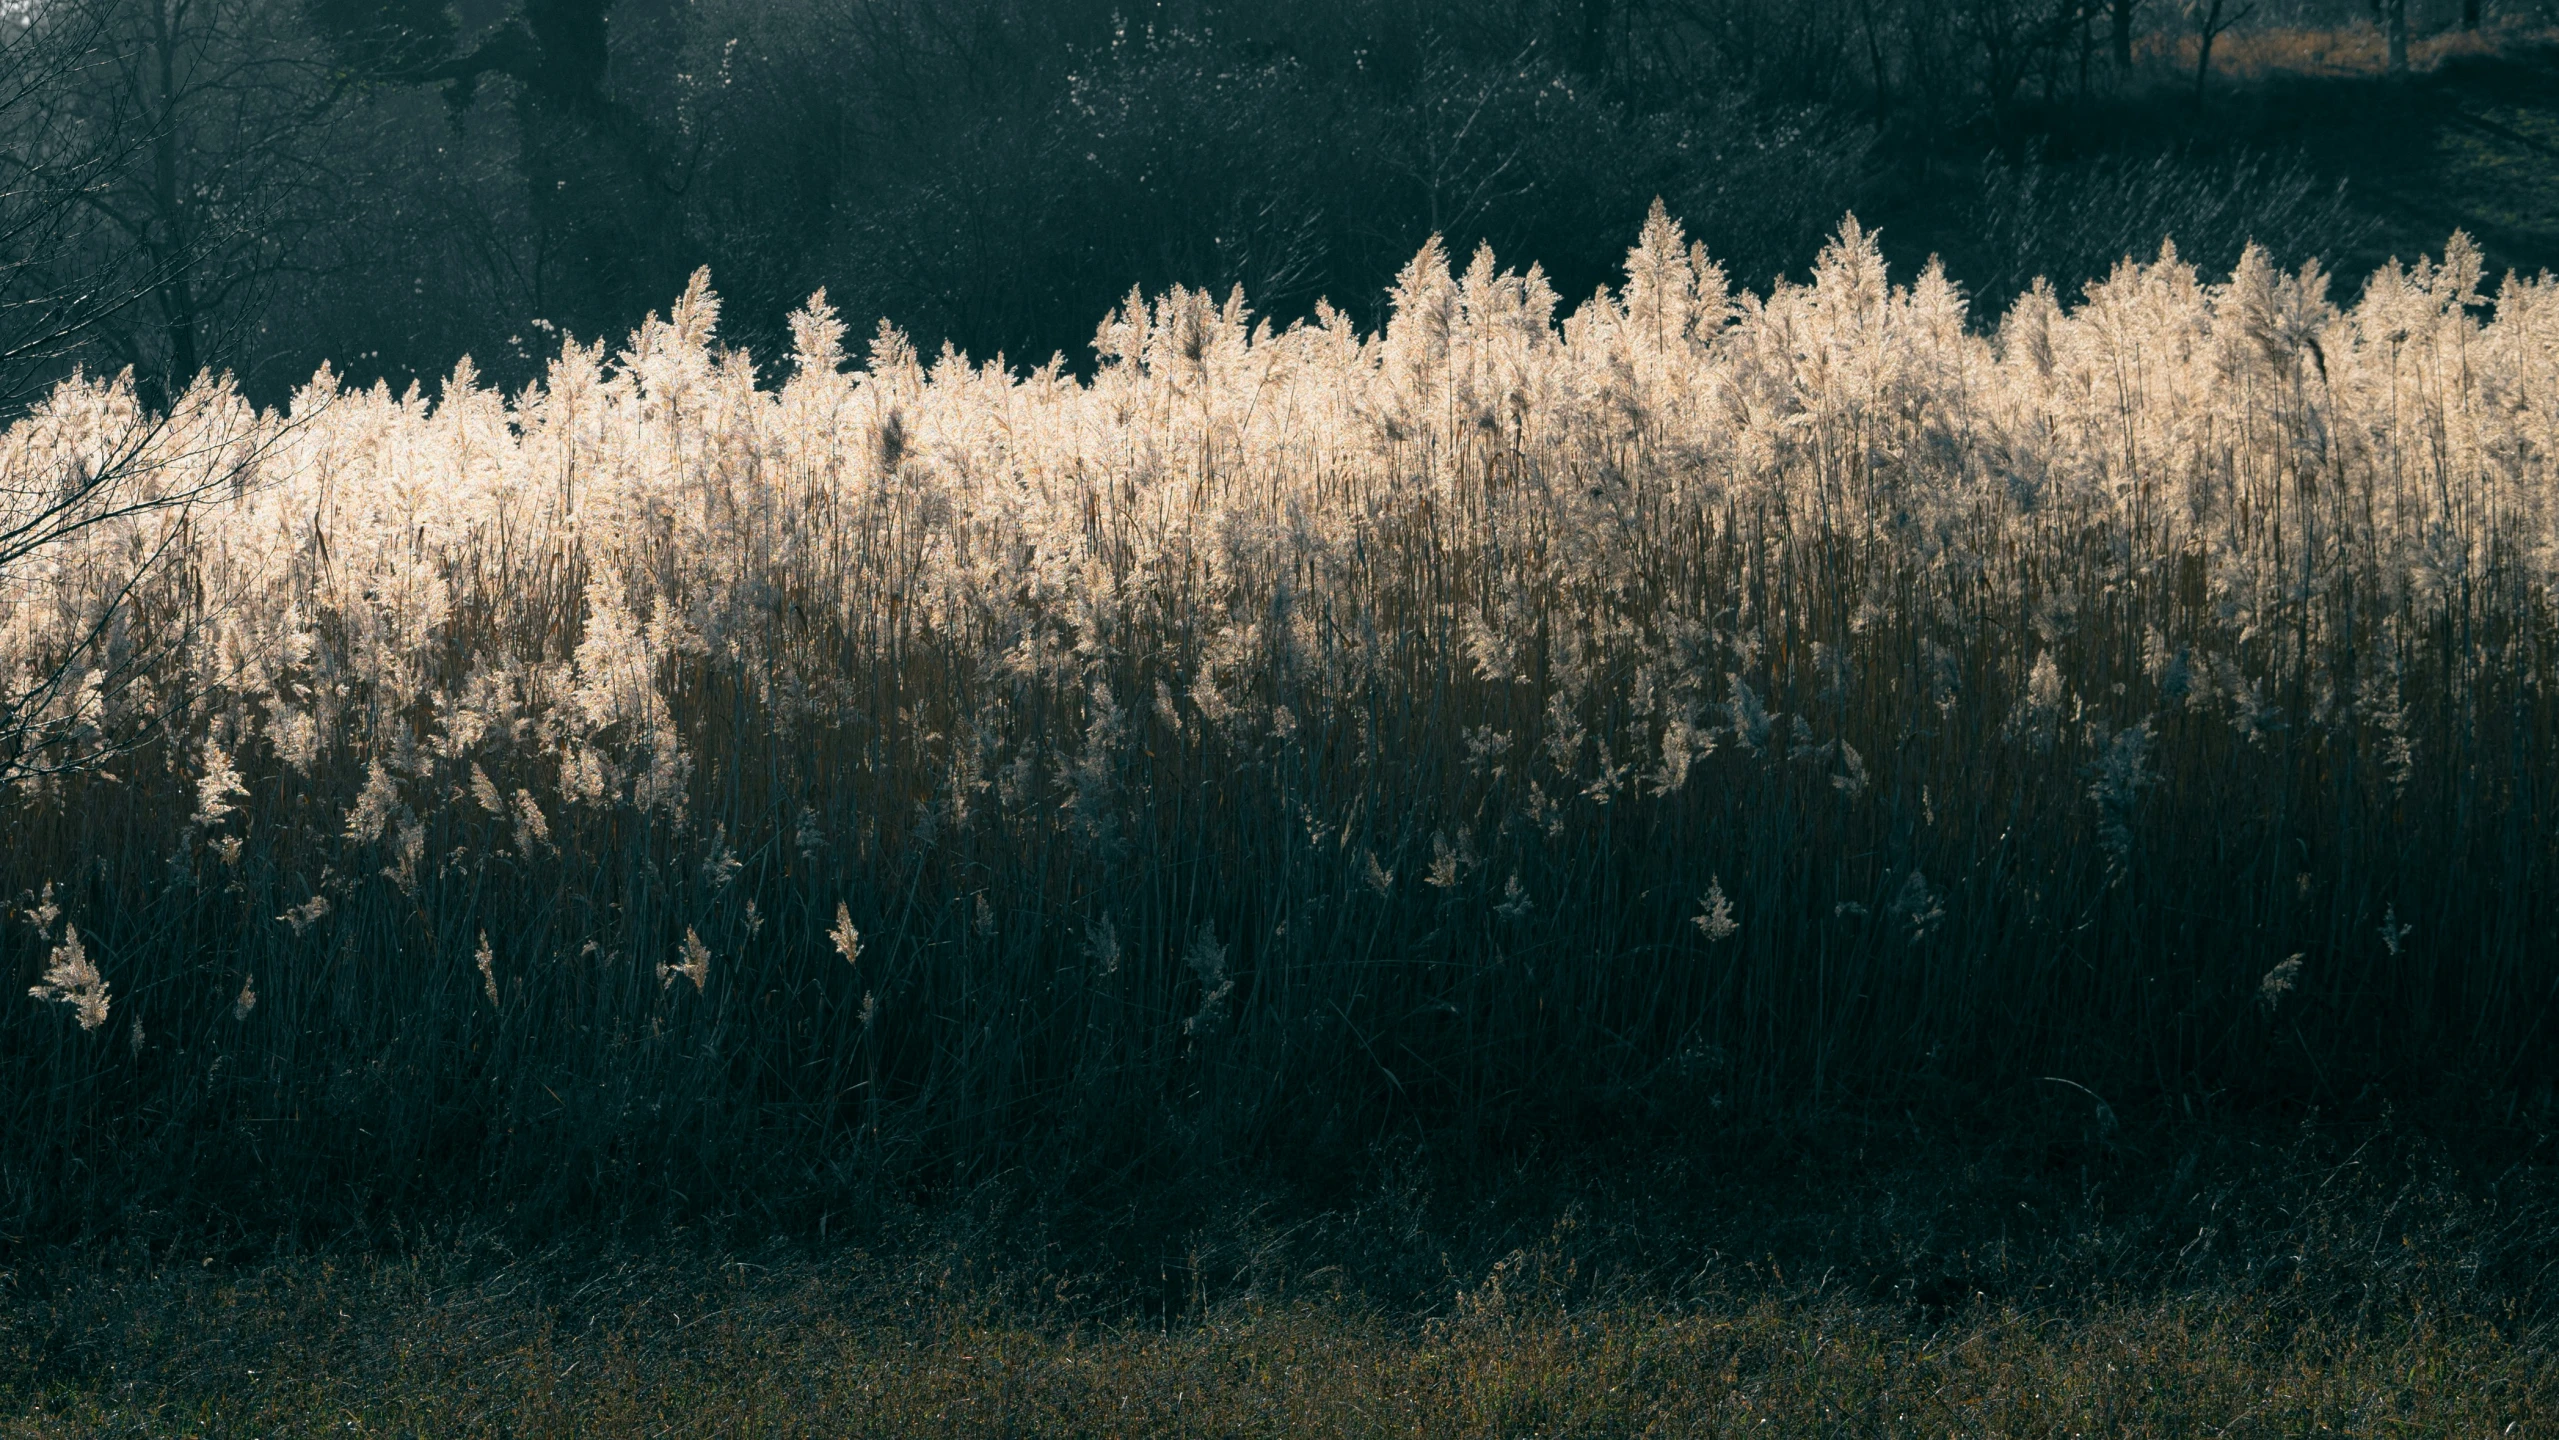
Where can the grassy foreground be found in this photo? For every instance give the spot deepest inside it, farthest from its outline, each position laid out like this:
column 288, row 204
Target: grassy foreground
column 2321, row 1284
column 802, row 1358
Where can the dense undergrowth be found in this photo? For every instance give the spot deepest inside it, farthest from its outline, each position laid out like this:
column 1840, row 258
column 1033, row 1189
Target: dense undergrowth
column 2172, row 1279
column 660, row 789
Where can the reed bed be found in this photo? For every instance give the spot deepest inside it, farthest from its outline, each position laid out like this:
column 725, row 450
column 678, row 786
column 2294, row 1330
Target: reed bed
column 694, row 780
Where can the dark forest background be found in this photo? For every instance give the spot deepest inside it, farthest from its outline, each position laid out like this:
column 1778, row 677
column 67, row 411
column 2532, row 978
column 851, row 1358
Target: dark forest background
column 256, row 186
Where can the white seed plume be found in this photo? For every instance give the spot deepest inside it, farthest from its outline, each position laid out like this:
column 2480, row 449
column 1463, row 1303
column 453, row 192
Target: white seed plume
column 71, row 978
column 406, row 851
column 219, row 786
column 1444, row 871
column 1380, row 879
column 2279, row 981
column 2394, row 934
column 1715, row 918
column 307, row 914
column 848, row 941
column 1851, row 781
column 720, row 867
column 693, row 962
column 1751, row 720
column 373, row 806
column 45, row 913
column 532, row 832
column 485, row 790
column 2038, row 713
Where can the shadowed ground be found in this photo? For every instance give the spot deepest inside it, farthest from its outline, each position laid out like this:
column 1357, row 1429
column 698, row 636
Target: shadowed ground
column 2176, row 1281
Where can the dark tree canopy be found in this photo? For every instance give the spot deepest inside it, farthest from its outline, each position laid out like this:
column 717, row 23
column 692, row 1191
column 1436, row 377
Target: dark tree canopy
column 425, row 179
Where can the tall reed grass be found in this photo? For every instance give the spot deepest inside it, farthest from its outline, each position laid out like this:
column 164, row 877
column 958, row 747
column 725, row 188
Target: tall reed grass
column 666, row 782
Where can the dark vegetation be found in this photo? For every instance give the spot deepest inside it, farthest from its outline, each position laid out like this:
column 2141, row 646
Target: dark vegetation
column 2167, row 1278
column 2328, row 1220
column 262, row 186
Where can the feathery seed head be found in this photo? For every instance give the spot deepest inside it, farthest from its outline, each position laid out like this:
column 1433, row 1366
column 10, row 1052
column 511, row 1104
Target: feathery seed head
column 1715, row 919
column 848, row 941
column 693, row 962
column 219, row 786
column 2279, row 981
column 73, row 979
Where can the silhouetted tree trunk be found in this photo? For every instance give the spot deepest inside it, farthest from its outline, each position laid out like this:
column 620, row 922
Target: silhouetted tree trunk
column 2122, row 13
column 2212, row 27
column 1590, row 48
column 2469, row 14
column 172, row 236
column 2217, row 20
column 2087, row 42
column 601, row 186
column 2398, row 37
column 569, row 36
column 1875, row 60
